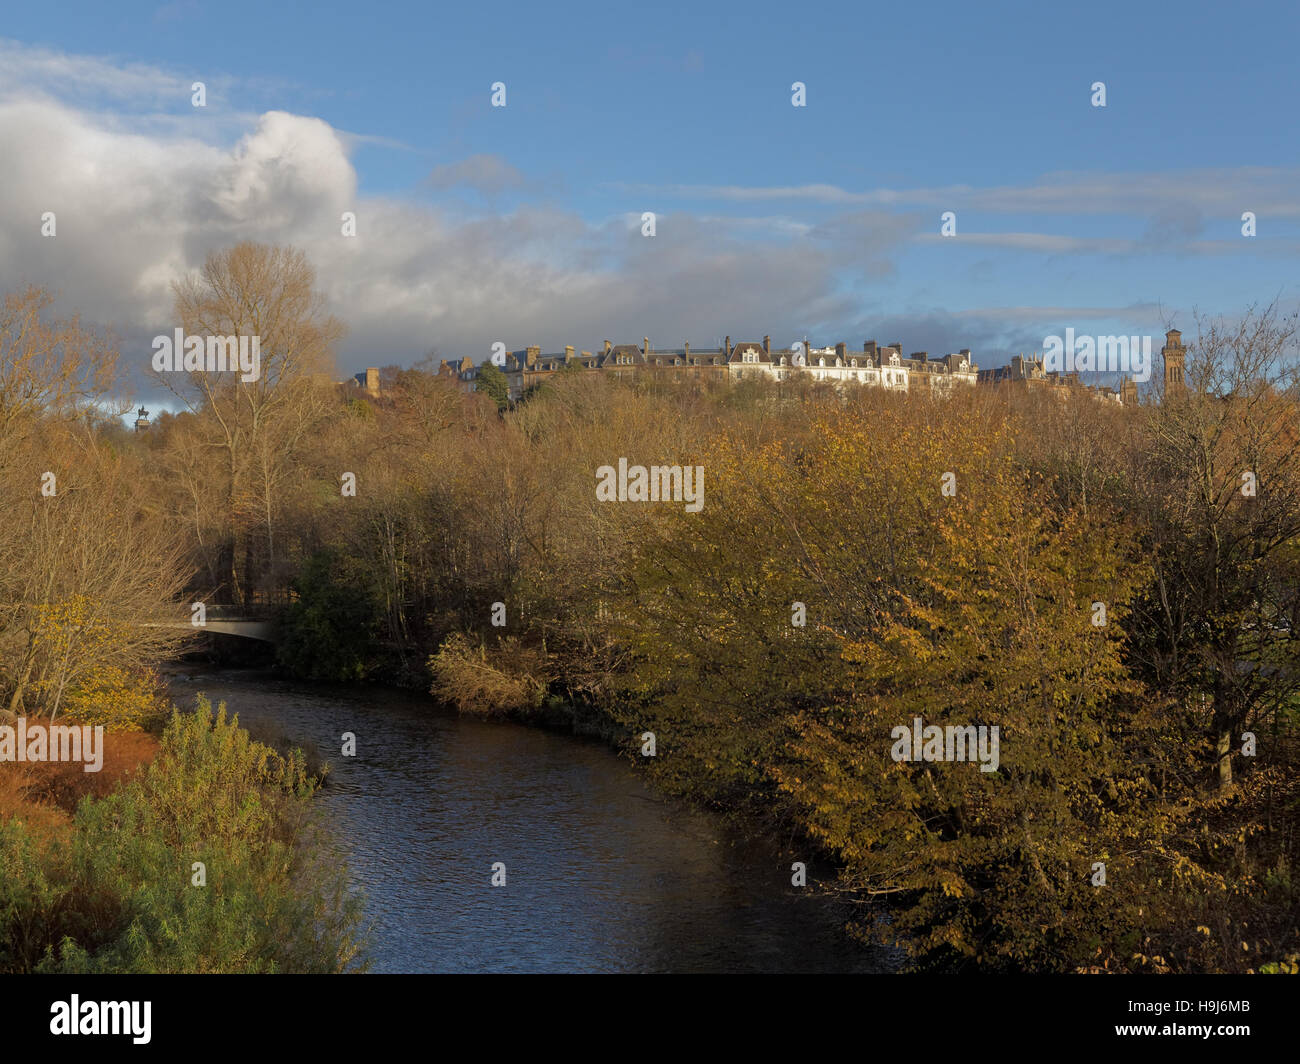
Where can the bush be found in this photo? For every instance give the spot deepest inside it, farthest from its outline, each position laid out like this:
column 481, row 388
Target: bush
column 512, row 683
column 121, row 897
column 113, row 697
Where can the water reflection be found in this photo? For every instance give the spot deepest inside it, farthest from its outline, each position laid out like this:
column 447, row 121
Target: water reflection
column 602, row 875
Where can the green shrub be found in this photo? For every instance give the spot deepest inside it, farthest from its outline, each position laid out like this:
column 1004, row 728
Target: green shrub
column 328, row 632
column 275, row 899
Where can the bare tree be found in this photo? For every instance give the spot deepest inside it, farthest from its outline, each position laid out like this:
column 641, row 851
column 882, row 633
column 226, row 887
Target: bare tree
column 255, row 426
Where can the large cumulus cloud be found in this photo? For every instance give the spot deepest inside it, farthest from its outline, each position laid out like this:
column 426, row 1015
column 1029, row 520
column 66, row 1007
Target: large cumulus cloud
column 138, row 207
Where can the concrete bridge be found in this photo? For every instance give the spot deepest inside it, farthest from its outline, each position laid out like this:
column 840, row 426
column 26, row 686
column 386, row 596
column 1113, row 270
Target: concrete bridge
column 227, row 620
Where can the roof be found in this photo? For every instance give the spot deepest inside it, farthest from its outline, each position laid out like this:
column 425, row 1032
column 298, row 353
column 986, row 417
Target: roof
column 739, row 349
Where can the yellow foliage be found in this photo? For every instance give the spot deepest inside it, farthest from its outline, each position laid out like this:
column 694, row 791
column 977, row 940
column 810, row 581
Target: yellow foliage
column 112, row 697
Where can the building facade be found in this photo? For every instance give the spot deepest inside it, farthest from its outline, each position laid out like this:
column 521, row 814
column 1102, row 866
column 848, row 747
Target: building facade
column 1030, row 374
column 873, row 366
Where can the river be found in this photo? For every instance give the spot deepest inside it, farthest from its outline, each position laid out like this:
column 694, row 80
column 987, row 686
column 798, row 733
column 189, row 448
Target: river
column 602, row 874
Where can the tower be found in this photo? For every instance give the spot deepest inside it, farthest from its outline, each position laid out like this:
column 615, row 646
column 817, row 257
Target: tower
column 1173, row 355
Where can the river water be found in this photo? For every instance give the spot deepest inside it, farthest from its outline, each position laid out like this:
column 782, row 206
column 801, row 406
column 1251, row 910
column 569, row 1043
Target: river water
column 602, row 874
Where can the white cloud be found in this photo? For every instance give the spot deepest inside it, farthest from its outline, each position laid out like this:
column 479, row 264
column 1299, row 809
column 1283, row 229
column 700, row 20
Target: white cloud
column 139, row 203
column 1268, row 191
column 26, row 71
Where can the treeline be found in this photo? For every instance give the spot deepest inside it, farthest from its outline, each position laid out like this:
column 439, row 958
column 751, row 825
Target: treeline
column 1113, row 588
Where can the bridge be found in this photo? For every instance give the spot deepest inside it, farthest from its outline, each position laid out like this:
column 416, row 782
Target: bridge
column 227, row 620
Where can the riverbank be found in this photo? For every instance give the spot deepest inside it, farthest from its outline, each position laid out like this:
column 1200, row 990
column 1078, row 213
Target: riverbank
column 198, row 850
column 47, row 792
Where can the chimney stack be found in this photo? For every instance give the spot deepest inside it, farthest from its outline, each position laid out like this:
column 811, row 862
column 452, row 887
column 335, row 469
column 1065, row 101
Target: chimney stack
column 767, row 345
column 608, row 347
column 645, row 350
column 727, row 349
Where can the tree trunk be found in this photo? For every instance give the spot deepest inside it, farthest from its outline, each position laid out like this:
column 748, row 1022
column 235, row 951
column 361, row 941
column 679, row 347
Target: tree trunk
column 16, row 699
column 1225, row 758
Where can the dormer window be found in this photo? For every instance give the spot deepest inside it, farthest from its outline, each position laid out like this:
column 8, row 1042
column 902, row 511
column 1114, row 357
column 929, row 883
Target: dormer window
column 894, row 360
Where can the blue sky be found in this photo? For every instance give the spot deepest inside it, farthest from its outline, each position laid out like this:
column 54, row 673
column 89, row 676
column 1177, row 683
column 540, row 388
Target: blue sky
column 522, row 223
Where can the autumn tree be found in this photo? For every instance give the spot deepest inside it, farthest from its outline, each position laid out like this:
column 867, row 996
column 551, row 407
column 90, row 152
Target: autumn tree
column 255, row 428
column 1217, row 485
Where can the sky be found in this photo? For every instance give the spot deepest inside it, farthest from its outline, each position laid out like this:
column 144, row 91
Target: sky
column 523, row 224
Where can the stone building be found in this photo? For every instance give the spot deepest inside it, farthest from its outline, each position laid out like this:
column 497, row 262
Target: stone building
column 464, row 373
column 1030, row 374
column 874, row 366
column 1174, row 356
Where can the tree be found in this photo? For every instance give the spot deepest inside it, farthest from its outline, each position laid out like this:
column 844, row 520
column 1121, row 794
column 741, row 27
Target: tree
column 1217, row 486
column 326, row 631
column 492, row 381
column 253, row 290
